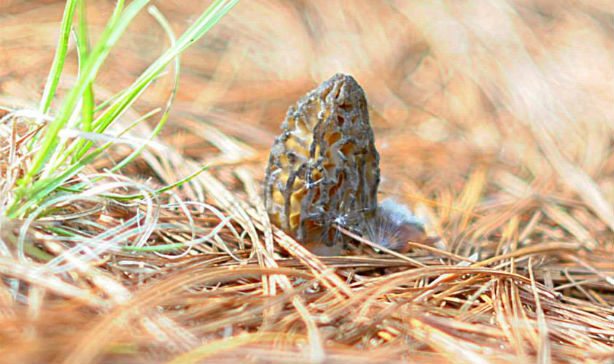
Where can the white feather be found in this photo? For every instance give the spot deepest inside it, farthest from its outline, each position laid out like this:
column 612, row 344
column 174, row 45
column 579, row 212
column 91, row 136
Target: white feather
column 394, row 225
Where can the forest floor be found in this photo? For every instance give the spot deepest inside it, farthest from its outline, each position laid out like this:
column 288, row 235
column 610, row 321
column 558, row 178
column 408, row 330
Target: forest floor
column 494, row 124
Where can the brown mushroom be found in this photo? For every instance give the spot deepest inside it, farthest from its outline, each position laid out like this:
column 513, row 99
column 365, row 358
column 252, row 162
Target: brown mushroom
column 324, row 168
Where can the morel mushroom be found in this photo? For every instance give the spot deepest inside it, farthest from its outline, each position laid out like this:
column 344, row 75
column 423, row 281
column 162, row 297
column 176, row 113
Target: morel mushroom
column 324, row 167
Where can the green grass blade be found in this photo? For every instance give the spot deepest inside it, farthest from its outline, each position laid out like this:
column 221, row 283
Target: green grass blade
column 169, row 103
column 160, row 190
column 88, row 103
column 84, row 50
column 60, row 56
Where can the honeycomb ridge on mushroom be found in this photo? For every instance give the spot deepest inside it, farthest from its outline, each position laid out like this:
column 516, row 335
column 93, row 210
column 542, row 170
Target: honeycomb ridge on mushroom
column 323, row 168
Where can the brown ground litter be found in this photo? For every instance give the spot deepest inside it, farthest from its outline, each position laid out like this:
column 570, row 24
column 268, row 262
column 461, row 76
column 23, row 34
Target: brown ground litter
column 493, row 121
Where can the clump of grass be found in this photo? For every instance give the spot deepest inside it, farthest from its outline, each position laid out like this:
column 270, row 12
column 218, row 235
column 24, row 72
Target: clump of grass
column 48, row 149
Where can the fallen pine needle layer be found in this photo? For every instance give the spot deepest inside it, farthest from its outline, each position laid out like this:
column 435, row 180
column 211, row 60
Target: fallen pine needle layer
column 514, row 181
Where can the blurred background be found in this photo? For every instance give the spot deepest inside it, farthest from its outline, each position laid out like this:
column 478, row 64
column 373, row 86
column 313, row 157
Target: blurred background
column 478, row 107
